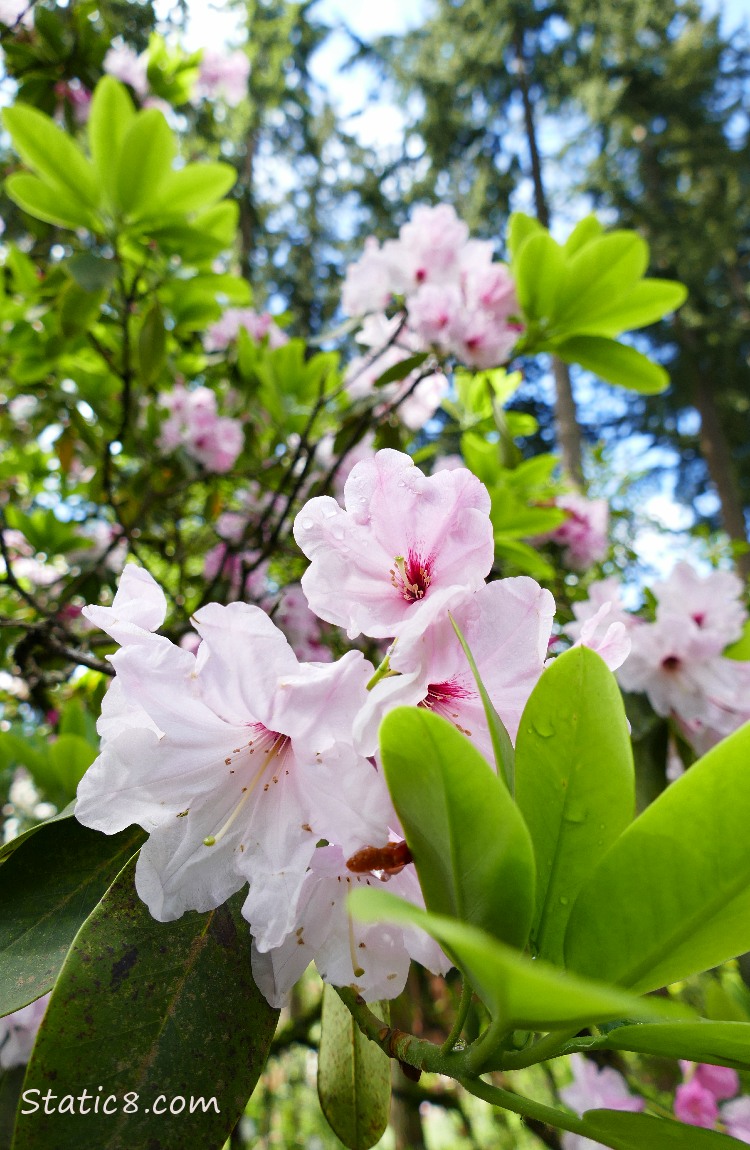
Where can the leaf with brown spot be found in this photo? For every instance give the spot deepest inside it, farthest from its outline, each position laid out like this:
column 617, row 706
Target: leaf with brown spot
column 184, row 1020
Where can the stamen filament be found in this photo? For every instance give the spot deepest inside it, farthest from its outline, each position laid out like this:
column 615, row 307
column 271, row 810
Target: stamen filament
column 247, row 792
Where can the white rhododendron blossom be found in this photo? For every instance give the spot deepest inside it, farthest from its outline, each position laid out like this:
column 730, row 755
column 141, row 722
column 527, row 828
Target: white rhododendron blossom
column 246, row 765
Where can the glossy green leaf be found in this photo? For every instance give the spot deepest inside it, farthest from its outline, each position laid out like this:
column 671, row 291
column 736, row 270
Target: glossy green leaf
column 718, row 1043
column 148, row 149
column 194, row 187
column 539, row 272
column 9, row 848
column 471, row 848
column 519, row 991
column 48, row 886
column 585, row 230
column 52, row 205
column 520, row 228
column 163, row 1011
column 614, row 362
column 11, row 1084
column 740, row 649
column 606, row 267
column 152, row 344
column 646, row 303
column 575, row 783
column 400, row 370
column 672, row 895
column 354, row 1075
column 51, row 153
column 505, row 757
column 111, row 115
column 622, row 1130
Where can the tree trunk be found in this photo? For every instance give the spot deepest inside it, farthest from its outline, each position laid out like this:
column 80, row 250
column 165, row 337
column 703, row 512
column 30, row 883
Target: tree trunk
column 716, row 452
column 567, row 427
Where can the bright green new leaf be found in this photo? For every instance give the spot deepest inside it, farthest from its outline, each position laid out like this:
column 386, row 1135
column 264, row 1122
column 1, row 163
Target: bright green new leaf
column 584, row 232
column 152, row 344
column 157, row 1009
column 539, row 270
column 645, row 303
column 471, row 848
column 672, row 895
column 614, row 362
column 622, row 1130
column 194, row 187
column 718, row 1043
column 53, row 205
column 520, row 227
column 740, row 649
column 605, row 268
column 146, row 155
column 575, row 783
column 51, row 153
column 521, row 992
column 49, row 885
column 111, row 115
column 354, row 1075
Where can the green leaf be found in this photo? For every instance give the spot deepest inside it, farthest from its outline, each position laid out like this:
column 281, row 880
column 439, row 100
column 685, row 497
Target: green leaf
column 50, row 884
column 400, row 370
column 575, row 783
column 194, row 187
column 78, row 309
column 718, row 1043
column 354, row 1075
column 524, row 993
column 614, row 362
column 69, row 757
column 11, row 1084
column 160, row 1010
column 520, row 228
column 740, row 649
column 607, row 267
column 505, row 757
column 539, row 276
column 627, row 1131
column 51, row 153
column 148, row 149
column 111, row 115
column 9, row 848
column 152, row 344
column 471, row 848
column 672, row 895
column 585, row 230
column 53, row 205
column 92, row 273
column 646, row 303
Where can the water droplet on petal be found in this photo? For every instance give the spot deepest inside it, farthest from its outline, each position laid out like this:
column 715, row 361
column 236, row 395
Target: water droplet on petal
column 307, row 524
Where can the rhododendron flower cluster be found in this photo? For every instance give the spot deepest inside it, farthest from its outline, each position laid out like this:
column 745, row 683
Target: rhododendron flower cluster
column 678, row 659
column 583, row 535
column 697, row 1099
column 458, row 300
column 258, row 325
column 224, row 76
column 126, row 65
column 194, row 424
column 238, row 758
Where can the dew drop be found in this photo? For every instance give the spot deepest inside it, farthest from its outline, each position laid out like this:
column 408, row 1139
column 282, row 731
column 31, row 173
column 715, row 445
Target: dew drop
column 544, row 728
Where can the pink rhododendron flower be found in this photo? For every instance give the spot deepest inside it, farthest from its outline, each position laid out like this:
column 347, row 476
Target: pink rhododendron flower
column 583, row 535
column 604, row 592
column 301, row 627
column 594, row 1089
column 712, row 602
column 721, row 1081
column 367, row 286
column 223, row 75
column 372, row 959
column 18, row 1033
column 235, row 760
column 195, row 425
column 695, row 1105
column 127, row 66
column 402, row 542
column 736, row 1117
column 258, row 325
column 609, row 639
column 507, row 625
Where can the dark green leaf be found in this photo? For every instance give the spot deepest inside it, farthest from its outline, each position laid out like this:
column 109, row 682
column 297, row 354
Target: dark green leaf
column 162, row 1010
column 92, row 273
column 471, row 848
column 50, row 883
column 354, row 1075
column 152, row 344
column 401, row 370
column 11, row 1084
column 575, row 784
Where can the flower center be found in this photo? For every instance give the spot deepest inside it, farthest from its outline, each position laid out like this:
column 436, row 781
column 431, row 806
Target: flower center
column 671, row 663
column 411, row 576
column 271, row 747
column 442, row 697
